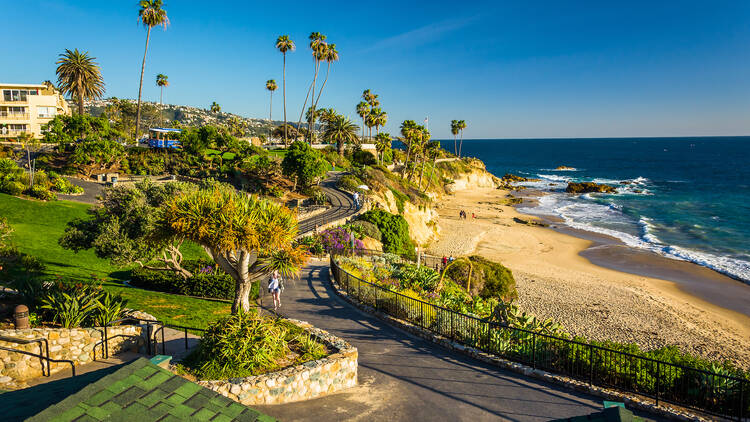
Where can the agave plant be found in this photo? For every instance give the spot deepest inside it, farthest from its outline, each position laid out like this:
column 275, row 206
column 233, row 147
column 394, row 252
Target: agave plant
column 69, row 310
column 109, row 307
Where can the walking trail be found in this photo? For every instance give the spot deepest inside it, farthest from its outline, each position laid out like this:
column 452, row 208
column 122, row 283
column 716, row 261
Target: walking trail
column 402, row 377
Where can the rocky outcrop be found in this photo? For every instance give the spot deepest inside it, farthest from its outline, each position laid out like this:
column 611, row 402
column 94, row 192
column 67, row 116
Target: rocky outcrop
column 589, row 187
column 565, row 168
column 478, row 178
column 421, row 219
column 508, row 180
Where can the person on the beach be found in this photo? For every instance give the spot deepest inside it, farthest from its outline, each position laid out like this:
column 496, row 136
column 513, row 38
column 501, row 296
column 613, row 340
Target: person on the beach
column 451, row 259
column 473, row 216
column 274, row 287
column 445, row 261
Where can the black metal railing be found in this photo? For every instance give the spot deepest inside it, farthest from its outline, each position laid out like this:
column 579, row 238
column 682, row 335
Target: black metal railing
column 152, row 335
column 693, row 388
column 43, row 354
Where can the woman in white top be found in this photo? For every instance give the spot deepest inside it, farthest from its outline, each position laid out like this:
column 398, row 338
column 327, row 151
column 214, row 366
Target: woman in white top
column 274, row 287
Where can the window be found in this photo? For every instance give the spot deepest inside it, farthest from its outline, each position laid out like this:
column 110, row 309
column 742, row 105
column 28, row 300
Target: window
column 15, row 94
column 32, row 92
column 46, row 112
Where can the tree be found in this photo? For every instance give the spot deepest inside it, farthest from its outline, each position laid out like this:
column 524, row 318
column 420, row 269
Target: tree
column 284, row 130
column 382, row 143
column 340, row 130
column 303, row 163
column 454, row 132
column 461, row 127
column 123, row 113
column 123, row 228
column 161, row 82
column 408, row 135
column 78, row 75
column 215, row 107
column 330, row 55
column 246, row 236
column 151, row 14
column 31, row 145
column 379, row 119
column 318, row 47
column 284, row 44
column 271, row 87
column 64, row 130
column 97, row 153
column 363, row 110
column 433, row 151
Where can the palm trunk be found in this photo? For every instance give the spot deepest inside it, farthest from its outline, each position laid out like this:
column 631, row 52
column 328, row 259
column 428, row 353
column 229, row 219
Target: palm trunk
column 455, row 146
column 161, row 105
column 432, row 170
column 283, row 82
column 140, row 86
column 328, row 71
column 421, row 172
column 270, row 118
column 363, row 129
column 461, row 145
column 312, row 87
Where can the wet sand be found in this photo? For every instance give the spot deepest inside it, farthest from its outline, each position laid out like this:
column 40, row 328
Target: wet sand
column 599, row 288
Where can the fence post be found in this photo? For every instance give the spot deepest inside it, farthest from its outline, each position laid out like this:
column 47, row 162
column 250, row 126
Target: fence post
column 376, row 298
column 742, row 408
column 658, row 382
column 359, row 290
column 421, row 307
column 533, row 350
column 451, row 323
column 591, row 364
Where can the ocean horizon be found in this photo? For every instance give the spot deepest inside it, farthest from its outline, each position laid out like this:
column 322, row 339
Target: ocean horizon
column 685, row 198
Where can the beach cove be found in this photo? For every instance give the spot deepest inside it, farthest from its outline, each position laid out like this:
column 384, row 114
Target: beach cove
column 558, row 277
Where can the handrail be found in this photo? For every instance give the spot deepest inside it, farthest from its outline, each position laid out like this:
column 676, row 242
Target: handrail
column 719, row 392
column 44, row 355
column 149, row 323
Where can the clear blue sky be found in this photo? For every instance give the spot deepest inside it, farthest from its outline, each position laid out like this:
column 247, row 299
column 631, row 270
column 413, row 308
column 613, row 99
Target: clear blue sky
column 510, row 69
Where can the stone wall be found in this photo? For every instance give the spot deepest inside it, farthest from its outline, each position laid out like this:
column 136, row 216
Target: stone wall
column 76, row 344
column 333, row 373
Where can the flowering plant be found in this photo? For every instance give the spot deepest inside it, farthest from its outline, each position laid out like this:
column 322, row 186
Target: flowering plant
column 338, row 240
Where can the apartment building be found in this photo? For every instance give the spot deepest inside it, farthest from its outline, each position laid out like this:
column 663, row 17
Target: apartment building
column 25, row 108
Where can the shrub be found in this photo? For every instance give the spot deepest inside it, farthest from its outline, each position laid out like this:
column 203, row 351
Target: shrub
column 304, row 163
column 240, row 345
column 69, row 309
column 274, row 191
column 208, row 280
column 363, row 229
column 41, row 192
column 109, row 307
column 394, row 230
column 65, row 186
column 488, row 279
column 313, row 244
column 12, row 187
column 348, row 182
column 364, row 158
column 338, row 240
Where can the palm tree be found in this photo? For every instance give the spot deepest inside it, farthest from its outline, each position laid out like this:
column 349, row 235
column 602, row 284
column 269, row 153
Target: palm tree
column 318, row 47
column 379, row 120
column 461, row 127
column 215, row 107
column 382, row 143
column 454, row 131
column 408, row 131
column 331, row 55
column 340, row 130
column 363, row 110
column 271, row 87
column 79, row 76
column 284, row 44
column 161, row 82
column 151, row 15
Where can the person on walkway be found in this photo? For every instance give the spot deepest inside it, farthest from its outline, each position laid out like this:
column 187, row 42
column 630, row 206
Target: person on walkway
column 444, row 261
column 274, row 287
column 451, row 259
column 356, row 199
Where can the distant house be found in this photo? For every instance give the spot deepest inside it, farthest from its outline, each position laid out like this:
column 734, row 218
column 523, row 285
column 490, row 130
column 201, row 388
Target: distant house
column 25, row 108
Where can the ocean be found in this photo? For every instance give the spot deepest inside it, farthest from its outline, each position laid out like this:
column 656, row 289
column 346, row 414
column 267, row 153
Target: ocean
column 683, row 198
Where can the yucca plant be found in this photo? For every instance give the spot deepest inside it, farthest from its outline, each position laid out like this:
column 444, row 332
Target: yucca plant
column 109, row 307
column 70, row 310
column 310, row 348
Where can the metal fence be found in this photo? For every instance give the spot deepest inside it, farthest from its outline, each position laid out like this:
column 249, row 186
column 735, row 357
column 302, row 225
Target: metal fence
column 693, row 388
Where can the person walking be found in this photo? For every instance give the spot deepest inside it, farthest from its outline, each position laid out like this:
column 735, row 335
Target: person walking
column 445, row 261
column 274, row 287
column 356, row 199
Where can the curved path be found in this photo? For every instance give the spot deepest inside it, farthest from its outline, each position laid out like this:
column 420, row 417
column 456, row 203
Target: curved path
column 402, row 377
column 342, row 206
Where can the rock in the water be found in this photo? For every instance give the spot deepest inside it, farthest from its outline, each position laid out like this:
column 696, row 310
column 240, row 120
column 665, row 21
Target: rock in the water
column 565, row 168
column 589, row 187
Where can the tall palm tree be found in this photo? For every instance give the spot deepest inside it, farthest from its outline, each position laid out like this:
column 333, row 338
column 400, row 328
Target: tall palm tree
column 151, row 14
column 318, row 47
column 215, row 107
column 161, row 82
column 271, row 87
column 408, row 135
column 363, row 110
column 461, row 127
column 331, row 55
column 379, row 120
column 284, row 44
column 454, row 132
column 79, row 76
column 340, row 130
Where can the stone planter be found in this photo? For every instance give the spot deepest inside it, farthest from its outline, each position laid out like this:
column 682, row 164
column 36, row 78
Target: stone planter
column 75, row 344
column 333, row 373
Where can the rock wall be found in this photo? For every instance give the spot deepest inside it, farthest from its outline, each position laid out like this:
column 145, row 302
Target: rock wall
column 422, row 220
column 76, row 344
column 478, row 178
column 333, row 373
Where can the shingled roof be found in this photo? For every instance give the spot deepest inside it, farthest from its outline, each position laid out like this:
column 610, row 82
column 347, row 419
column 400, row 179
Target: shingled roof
column 137, row 391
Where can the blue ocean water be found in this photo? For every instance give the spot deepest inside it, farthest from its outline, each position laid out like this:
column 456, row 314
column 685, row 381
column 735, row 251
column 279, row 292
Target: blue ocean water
column 684, row 198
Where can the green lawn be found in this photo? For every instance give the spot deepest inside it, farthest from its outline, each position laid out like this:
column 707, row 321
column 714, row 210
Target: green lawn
column 37, row 226
column 225, row 156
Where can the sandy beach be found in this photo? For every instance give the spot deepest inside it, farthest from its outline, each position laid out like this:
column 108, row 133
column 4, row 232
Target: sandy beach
column 557, row 277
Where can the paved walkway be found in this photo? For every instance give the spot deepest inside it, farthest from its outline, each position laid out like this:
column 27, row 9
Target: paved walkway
column 342, row 205
column 402, row 377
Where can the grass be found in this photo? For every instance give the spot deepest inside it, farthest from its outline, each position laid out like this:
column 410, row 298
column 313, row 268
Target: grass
column 225, row 156
column 37, row 226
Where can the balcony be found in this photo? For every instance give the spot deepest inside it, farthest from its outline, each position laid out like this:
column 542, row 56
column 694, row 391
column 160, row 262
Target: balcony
column 12, row 133
column 9, row 115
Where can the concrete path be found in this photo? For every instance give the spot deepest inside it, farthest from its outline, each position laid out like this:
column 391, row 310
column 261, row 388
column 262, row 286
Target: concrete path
column 402, row 377
column 342, row 206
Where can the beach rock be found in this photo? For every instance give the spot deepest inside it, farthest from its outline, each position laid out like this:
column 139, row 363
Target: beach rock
column 564, row 168
column 506, row 182
column 529, row 222
column 589, row 187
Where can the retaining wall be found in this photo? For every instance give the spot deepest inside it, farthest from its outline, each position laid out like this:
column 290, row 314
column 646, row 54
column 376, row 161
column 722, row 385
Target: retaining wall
column 333, row 373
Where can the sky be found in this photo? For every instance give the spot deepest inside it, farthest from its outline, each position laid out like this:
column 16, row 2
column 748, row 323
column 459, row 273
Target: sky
column 510, row 69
